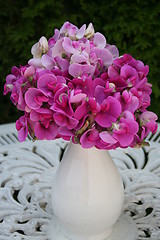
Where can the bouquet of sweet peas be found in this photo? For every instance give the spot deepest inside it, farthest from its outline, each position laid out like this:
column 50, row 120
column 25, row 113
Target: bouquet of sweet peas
column 76, row 87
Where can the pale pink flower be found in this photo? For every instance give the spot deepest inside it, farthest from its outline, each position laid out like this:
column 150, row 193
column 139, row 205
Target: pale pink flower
column 39, row 48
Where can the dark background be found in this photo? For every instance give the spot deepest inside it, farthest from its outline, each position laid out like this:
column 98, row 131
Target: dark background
column 133, row 26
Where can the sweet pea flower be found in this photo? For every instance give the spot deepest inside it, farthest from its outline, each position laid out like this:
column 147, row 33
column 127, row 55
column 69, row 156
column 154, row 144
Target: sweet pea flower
column 73, row 32
column 129, row 74
column 63, row 111
column 89, row 32
column 107, row 141
column 65, row 121
column 62, row 103
column 41, row 55
column 103, row 54
column 34, row 98
column 22, row 128
column 130, row 69
column 41, row 114
column 40, row 47
column 113, row 50
column 44, row 127
column 77, row 70
column 29, row 72
column 89, row 138
column 110, row 111
column 99, row 40
column 128, row 101
column 46, row 130
column 125, row 129
column 47, row 83
column 68, row 29
column 147, row 119
column 77, row 87
column 17, row 83
column 11, row 79
column 17, row 95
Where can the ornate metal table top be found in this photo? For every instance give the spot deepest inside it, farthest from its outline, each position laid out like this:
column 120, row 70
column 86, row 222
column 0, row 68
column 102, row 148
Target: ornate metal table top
column 26, row 171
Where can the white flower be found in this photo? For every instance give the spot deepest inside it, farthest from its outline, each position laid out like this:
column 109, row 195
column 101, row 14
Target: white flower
column 40, row 47
column 89, row 31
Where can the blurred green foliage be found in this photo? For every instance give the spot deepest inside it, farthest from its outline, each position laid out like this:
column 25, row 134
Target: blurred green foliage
column 133, row 26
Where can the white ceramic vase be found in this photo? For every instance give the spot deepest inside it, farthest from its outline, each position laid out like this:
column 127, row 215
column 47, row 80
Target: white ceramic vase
column 87, row 194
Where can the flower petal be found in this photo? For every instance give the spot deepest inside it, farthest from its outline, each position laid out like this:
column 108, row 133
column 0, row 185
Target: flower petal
column 99, row 40
column 106, row 137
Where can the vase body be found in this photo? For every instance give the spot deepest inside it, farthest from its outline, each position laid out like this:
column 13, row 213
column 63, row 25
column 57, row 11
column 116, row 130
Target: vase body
column 87, row 193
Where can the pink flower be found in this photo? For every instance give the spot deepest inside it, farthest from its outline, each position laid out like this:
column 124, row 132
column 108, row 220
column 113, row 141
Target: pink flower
column 17, row 95
column 41, row 114
column 77, row 70
column 77, row 87
column 29, row 72
column 89, row 138
column 35, row 98
column 22, row 128
column 110, row 111
column 62, row 103
column 130, row 69
column 99, row 40
column 68, row 29
column 47, row 83
column 68, row 46
column 107, row 141
column 65, row 121
column 125, row 130
column 128, row 101
column 10, row 79
column 147, row 119
column 17, row 83
column 44, row 127
column 103, row 54
column 46, row 130
column 40, row 47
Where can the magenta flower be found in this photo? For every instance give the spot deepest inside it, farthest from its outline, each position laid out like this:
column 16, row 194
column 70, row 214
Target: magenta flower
column 77, row 87
column 22, row 128
column 147, row 119
column 10, row 80
column 47, row 83
column 35, row 98
column 107, row 138
column 65, row 121
column 77, row 70
column 17, row 95
column 109, row 113
column 128, row 101
column 46, row 130
column 41, row 114
column 62, row 103
column 107, row 141
column 89, row 138
column 125, row 130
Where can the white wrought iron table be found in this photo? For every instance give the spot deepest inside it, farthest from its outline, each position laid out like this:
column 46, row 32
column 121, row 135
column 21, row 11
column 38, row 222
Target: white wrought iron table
column 26, row 171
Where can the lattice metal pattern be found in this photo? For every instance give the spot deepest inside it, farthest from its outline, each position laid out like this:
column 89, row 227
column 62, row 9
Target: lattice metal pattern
column 26, row 172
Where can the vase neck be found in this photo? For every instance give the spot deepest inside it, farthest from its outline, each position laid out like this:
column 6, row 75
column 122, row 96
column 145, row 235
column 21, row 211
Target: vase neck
column 83, row 153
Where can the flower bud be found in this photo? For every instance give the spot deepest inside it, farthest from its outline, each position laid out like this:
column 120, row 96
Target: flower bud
column 43, row 44
column 89, row 31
